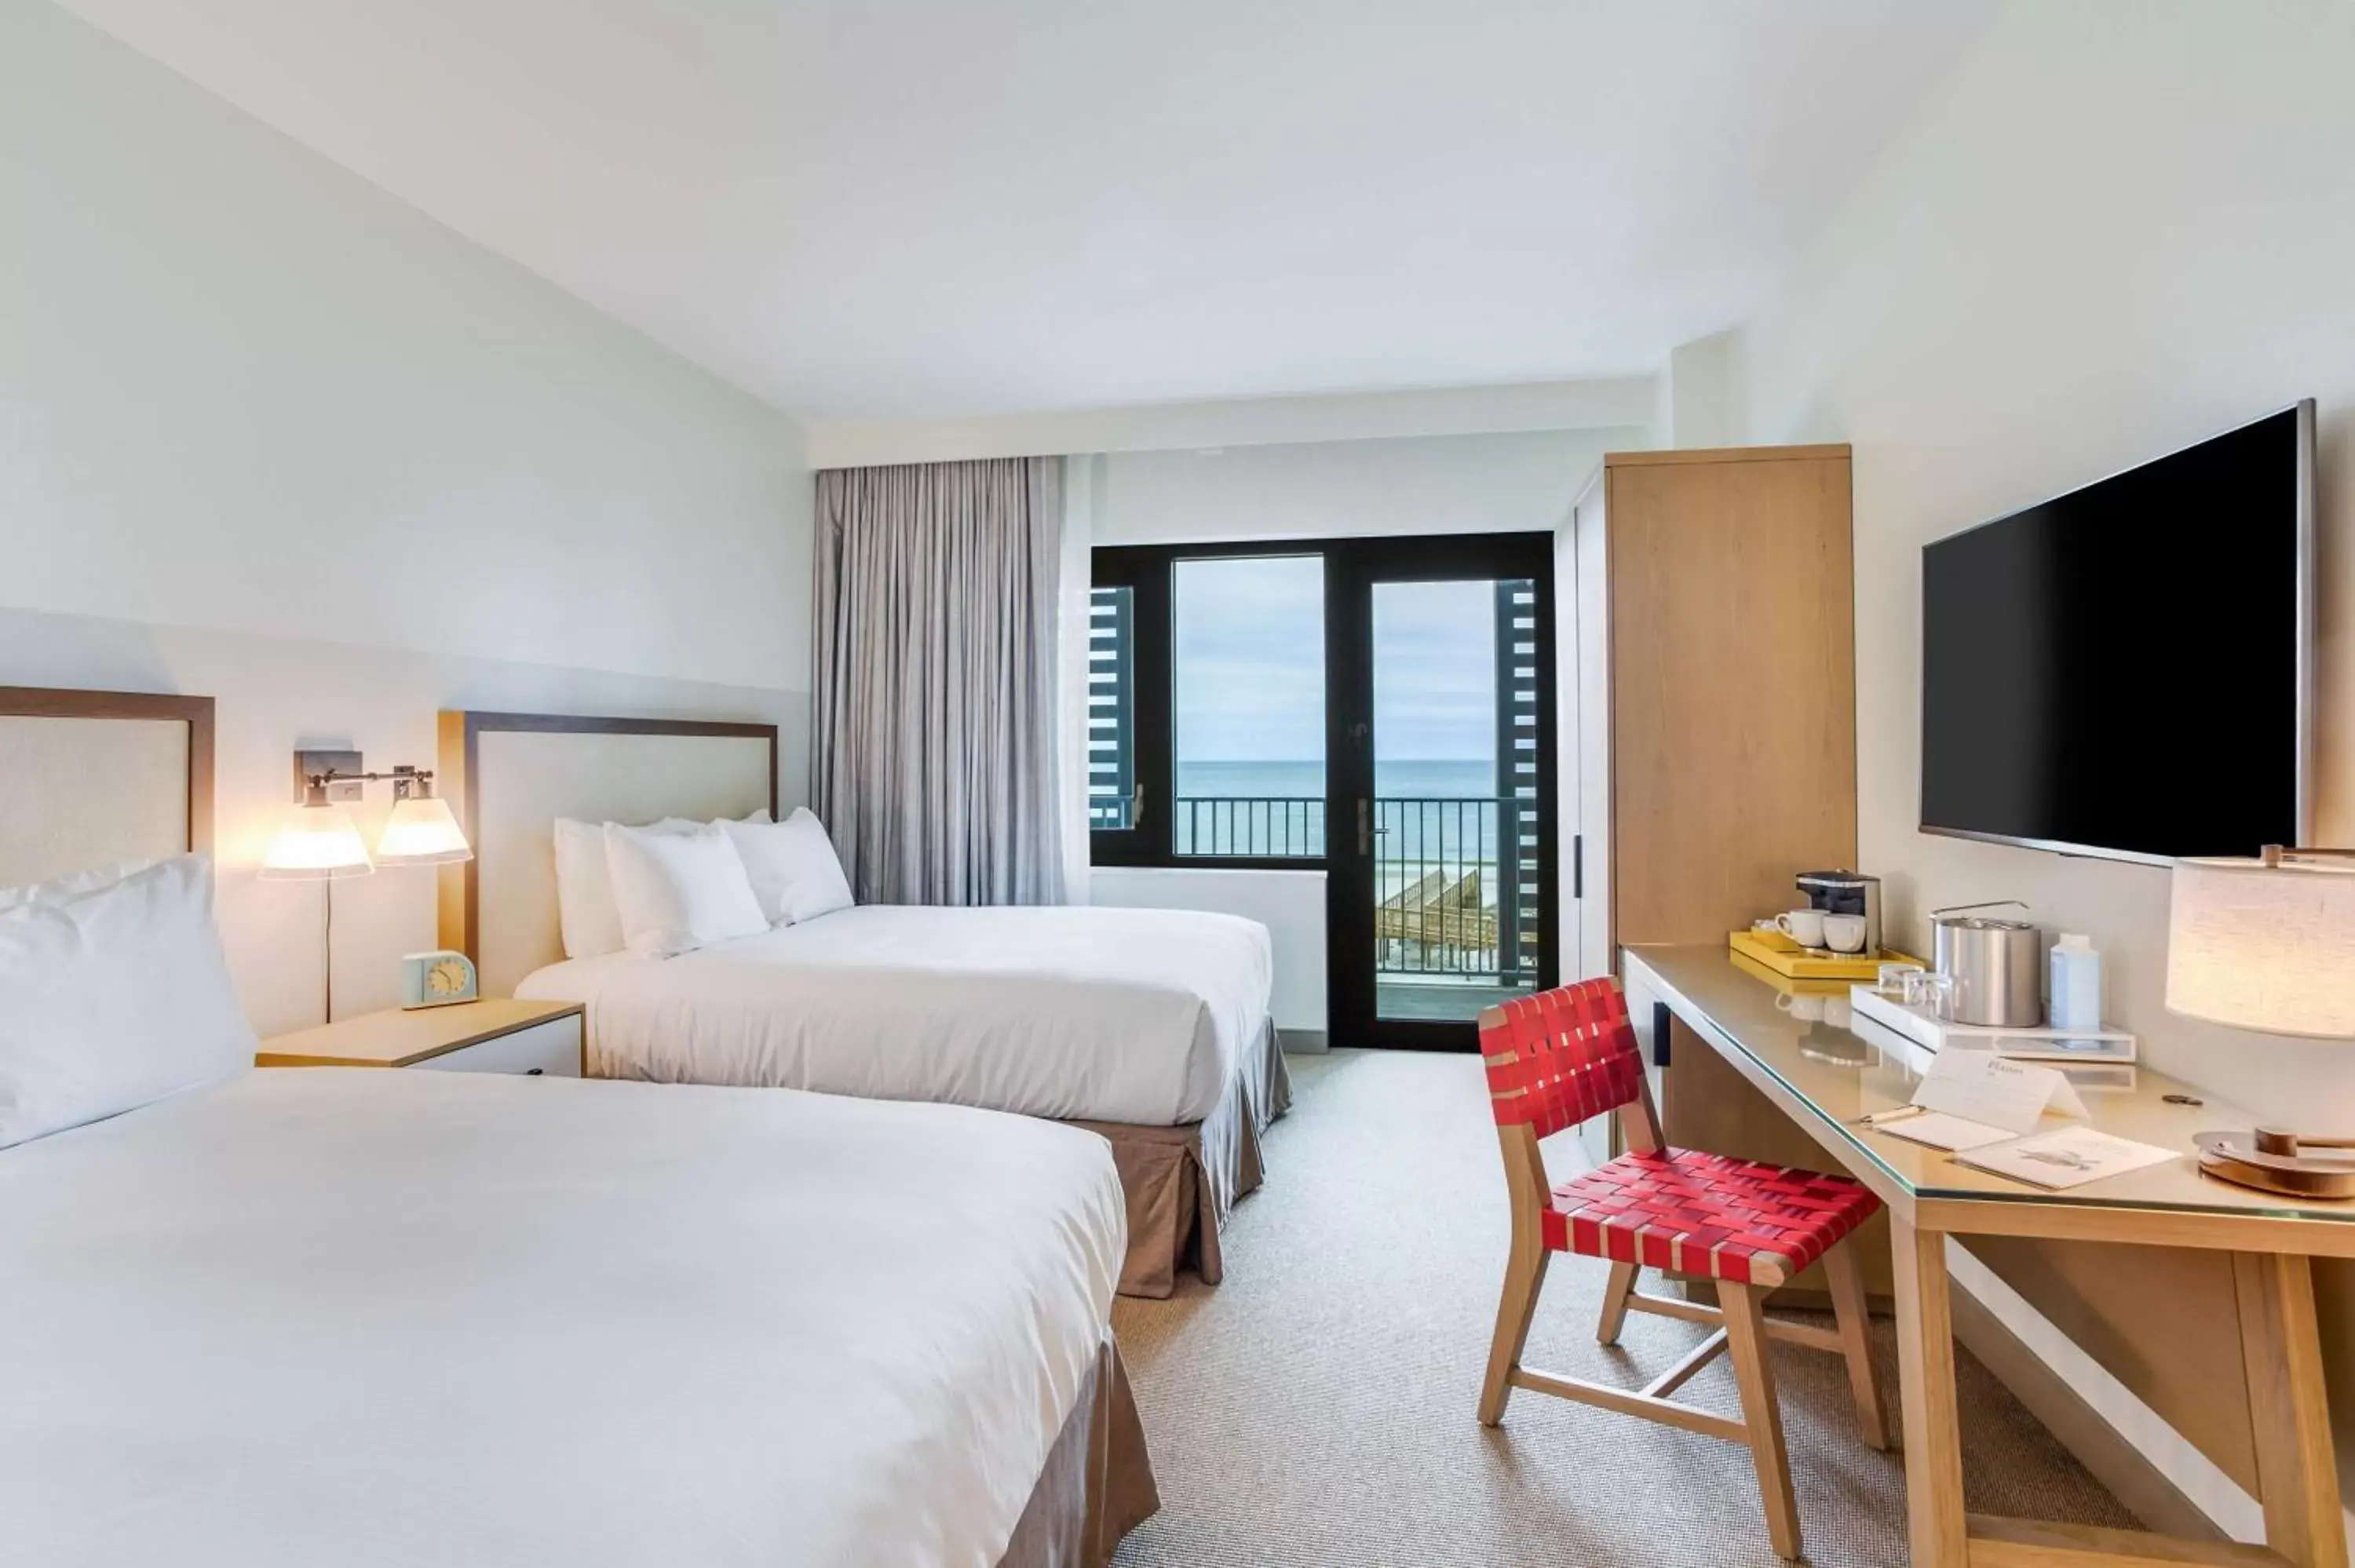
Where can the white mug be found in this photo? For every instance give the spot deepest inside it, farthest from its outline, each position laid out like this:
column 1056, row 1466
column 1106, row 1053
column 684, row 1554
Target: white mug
column 1844, row 933
column 1835, row 1011
column 1805, row 927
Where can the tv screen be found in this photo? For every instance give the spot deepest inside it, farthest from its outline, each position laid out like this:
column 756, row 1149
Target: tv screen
column 2123, row 670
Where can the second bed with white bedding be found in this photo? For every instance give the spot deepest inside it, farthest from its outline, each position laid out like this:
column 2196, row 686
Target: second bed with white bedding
column 1075, row 1013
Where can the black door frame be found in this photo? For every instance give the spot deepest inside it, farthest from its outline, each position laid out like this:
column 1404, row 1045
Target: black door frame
column 1352, row 567
column 1149, row 571
column 1352, row 1016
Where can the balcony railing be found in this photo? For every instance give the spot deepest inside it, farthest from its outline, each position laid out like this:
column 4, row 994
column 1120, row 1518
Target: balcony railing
column 1455, row 887
column 1455, row 883
column 1267, row 826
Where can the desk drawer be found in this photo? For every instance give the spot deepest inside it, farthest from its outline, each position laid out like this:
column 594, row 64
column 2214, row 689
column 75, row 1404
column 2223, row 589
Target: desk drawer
column 552, row 1049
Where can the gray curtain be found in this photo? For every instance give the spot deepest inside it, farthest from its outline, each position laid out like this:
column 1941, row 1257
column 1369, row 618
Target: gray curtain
column 933, row 750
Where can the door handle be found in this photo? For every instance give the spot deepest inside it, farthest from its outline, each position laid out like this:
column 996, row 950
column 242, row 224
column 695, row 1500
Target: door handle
column 1136, row 805
column 1365, row 827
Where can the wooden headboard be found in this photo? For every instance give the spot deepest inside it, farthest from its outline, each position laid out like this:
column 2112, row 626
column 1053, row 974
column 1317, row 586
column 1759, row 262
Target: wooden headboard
column 510, row 776
column 88, row 778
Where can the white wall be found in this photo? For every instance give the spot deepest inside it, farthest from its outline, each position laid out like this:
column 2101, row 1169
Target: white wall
column 1696, row 395
column 2120, row 227
column 1432, row 485
column 269, row 434
column 1290, row 904
column 1539, row 406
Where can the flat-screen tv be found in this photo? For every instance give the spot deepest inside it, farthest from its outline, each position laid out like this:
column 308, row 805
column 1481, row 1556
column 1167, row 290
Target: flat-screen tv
column 2126, row 670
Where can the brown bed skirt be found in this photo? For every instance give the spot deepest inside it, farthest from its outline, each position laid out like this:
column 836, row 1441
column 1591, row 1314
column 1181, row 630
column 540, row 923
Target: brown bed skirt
column 1097, row 1485
column 1182, row 1182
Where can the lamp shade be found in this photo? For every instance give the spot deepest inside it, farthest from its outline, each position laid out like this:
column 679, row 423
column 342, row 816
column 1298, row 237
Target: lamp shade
column 315, row 843
column 422, row 832
column 2264, row 948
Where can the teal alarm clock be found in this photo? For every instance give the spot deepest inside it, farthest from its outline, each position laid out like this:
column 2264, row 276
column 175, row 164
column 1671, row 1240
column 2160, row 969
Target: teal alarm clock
column 436, row 979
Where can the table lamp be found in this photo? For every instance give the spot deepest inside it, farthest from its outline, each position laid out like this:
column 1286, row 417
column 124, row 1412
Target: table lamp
column 2269, row 944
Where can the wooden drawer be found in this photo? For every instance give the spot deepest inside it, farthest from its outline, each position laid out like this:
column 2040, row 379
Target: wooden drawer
column 551, row 1050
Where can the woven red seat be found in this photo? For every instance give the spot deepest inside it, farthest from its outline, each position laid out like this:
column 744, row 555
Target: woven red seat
column 1705, row 1214
column 1560, row 1056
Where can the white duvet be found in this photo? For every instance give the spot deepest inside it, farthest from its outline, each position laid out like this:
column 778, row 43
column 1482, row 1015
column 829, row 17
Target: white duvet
column 1127, row 1015
column 386, row 1320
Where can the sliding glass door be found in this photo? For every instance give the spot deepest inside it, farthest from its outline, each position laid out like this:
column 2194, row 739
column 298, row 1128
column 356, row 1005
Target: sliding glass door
column 1377, row 711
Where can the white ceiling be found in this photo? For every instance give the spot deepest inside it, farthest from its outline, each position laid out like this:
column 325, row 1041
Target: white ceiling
column 892, row 209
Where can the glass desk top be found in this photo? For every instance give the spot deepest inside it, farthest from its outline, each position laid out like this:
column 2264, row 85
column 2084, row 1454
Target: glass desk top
column 1838, row 1074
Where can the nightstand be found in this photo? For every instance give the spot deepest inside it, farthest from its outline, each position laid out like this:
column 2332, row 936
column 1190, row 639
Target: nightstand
column 533, row 1038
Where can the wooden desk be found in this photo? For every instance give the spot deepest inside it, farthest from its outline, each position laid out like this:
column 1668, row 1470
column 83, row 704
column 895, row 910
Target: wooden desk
column 1930, row 1195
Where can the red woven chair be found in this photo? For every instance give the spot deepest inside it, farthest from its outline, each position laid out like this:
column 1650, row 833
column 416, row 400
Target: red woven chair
column 1561, row 1056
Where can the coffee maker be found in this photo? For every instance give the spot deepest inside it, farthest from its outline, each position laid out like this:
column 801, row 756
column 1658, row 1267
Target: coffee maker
column 1846, row 893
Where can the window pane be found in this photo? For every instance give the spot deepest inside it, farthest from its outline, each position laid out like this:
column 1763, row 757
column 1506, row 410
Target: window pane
column 1248, row 706
column 1111, row 709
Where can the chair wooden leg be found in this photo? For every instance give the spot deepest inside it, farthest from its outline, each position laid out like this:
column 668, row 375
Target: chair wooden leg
column 1524, row 1276
column 1745, row 1333
column 1854, row 1319
column 1614, row 1302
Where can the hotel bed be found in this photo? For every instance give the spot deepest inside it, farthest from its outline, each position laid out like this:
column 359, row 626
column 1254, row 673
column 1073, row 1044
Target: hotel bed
column 1150, row 1027
column 321, row 1316
column 1126, row 1015
column 469, row 1320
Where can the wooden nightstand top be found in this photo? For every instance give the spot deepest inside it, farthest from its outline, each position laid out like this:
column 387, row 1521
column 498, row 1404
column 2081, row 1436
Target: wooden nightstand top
column 395, row 1038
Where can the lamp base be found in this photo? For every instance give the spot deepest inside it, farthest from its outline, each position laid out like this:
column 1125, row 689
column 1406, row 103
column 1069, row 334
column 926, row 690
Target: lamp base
column 2269, row 1160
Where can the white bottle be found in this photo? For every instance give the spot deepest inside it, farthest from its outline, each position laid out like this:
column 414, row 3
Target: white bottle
column 2076, row 983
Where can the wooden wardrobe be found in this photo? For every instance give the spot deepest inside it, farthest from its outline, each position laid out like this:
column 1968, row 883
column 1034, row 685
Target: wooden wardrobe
column 1715, row 718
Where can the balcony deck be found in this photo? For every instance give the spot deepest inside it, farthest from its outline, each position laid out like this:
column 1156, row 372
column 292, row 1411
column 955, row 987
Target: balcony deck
column 1436, row 1000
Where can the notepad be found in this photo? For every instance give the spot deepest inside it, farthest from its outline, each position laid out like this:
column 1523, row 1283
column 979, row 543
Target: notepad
column 2068, row 1157
column 1940, row 1130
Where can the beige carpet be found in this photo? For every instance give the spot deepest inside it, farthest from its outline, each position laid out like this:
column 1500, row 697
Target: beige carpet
column 1315, row 1411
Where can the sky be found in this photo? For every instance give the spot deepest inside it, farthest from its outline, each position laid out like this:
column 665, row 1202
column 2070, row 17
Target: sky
column 1250, row 677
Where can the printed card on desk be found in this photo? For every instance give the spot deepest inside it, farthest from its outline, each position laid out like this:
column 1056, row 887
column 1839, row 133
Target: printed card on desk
column 1995, row 1091
column 2067, row 1157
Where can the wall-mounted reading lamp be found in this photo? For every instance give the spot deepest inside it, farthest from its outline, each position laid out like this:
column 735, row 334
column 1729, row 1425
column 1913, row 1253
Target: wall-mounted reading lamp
column 317, row 842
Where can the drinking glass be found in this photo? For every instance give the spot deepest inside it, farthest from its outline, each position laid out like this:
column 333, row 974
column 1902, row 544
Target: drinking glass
column 1929, row 991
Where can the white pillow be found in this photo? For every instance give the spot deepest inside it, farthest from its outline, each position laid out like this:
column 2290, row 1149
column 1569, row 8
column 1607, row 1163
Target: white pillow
column 113, row 992
column 678, row 891
column 683, row 824
column 584, row 883
column 72, row 883
column 584, row 891
column 794, row 872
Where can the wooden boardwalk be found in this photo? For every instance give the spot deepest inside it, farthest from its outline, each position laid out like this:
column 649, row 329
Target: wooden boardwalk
column 1438, row 912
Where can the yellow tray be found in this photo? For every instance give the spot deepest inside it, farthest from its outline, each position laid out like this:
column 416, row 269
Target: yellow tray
column 1784, row 983
column 1792, row 961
